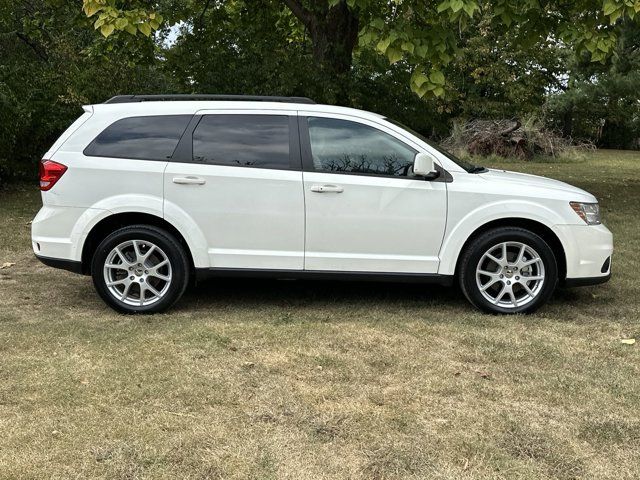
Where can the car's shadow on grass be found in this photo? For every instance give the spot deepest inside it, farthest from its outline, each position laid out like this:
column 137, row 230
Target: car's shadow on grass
column 265, row 293
column 271, row 292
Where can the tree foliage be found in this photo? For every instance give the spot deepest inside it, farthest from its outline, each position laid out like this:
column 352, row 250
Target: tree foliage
column 574, row 65
column 601, row 101
column 424, row 34
column 51, row 63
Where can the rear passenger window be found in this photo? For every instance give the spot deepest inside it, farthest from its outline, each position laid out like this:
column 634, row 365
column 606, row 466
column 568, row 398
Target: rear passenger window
column 259, row 141
column 143, row 138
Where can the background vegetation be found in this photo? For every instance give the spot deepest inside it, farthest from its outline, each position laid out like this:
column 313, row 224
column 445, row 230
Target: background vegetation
column 572, row 65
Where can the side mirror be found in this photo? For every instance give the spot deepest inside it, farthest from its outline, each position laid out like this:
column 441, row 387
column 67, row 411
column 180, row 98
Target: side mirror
column 424, row 166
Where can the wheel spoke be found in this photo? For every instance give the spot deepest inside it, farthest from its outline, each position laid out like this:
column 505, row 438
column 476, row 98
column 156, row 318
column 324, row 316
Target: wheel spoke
column 491, row 282
column 125, row 293
column 530, row 262
column 164, row 278
column 527, row 289
column 153, row 290
column 149, row 252
column 143, row 289
column 116, row 266
column 161, row 264
column 118, row 282
column 504, row 253
column 486, row 273
column 523, row 248
column 136, row 249
column 528, row 279
column 122, row 256
column 501, row 294
column 496, row 260
column 513, row 298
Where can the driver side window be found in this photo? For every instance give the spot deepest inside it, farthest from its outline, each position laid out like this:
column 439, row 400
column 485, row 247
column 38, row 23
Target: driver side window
column 350, row 147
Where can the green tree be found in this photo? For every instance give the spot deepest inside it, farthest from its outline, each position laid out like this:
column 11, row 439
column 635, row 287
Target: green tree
column 51, row 64
column 601, row 102
column 230, row 48
column 423, row 34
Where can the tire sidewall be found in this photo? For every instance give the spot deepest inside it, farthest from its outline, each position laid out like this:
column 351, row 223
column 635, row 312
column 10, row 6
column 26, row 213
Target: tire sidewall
column 173, row 250
column 480, row 246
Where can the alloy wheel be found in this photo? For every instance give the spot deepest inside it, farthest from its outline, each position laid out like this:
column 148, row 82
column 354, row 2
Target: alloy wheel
column 510, row 275
column 137, row 273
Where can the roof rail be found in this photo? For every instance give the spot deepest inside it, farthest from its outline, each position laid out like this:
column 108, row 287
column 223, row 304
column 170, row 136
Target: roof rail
column 235, row 98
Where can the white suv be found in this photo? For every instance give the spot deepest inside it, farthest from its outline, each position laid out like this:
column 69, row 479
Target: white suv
column 149, row 193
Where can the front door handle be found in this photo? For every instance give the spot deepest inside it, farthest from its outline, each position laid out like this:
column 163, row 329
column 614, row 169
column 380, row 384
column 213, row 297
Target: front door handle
column 189, row 180
column 327, row 189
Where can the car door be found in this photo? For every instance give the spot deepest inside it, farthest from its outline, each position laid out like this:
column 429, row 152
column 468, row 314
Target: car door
column 365, row 211
column 237, row 174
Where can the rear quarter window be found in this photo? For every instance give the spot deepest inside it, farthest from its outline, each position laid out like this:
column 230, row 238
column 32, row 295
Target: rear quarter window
column 142, row 138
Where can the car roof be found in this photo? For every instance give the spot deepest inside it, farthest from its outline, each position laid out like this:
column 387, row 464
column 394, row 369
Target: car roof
column 174, row 107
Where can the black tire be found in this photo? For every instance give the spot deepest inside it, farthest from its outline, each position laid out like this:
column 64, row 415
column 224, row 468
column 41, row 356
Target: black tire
column 167, row 244
column 474, row 253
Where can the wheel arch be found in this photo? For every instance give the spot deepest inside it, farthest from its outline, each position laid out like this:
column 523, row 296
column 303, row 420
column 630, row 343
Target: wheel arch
column 113, row 222
column 540, row 229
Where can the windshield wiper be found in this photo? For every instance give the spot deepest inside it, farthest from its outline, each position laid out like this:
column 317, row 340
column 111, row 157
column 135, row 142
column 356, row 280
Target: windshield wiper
column 478, row 169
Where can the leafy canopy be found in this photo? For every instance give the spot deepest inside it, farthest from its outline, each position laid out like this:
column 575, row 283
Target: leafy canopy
column 423, row 34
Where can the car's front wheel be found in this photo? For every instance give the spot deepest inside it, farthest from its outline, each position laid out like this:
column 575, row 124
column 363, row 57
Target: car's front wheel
column 140, row 269
column 508, row 270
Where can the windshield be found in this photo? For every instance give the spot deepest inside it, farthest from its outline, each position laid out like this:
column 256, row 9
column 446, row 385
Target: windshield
column 468, row 166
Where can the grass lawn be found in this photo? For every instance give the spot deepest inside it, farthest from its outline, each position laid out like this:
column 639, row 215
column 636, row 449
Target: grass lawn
column 305, row 380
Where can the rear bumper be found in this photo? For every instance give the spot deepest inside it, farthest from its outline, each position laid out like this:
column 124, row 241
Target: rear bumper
column 60, row 231
column 69, row 265
column 51, row 231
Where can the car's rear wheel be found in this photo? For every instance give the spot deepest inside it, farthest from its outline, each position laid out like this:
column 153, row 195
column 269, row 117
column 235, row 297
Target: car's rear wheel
column 140, row 269
column 508, row 270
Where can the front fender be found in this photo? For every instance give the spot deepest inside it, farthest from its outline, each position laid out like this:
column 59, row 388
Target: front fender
column 460, row 227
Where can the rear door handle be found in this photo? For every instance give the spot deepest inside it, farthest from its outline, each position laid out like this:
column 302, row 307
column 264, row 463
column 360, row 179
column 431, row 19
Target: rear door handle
column 189, row 180
column 327, row 189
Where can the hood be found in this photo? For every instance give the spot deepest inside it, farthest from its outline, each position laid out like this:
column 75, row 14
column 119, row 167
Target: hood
column 526, row 180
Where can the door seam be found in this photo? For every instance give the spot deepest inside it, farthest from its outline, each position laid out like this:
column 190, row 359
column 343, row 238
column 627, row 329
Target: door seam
column 304, row 198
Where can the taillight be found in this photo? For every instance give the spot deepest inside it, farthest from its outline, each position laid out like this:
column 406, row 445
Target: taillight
column 50, row 173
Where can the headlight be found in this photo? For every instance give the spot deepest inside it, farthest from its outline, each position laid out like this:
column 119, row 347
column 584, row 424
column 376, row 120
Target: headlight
column 589, row 212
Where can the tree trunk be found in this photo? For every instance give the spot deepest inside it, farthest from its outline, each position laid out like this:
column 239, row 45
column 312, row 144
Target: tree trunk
column 567, row 123
column 613, row 131
column 334, row 35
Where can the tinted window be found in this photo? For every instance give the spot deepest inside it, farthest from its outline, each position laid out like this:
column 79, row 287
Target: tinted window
column 344, row 146
column 146, row 138
column 260, row 141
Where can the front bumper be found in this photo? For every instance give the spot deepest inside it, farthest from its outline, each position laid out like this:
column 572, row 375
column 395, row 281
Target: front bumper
column 586, row 281
column 588, row 250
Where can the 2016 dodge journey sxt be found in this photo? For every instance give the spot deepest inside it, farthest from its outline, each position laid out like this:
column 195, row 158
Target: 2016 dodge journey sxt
column 146, row 193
